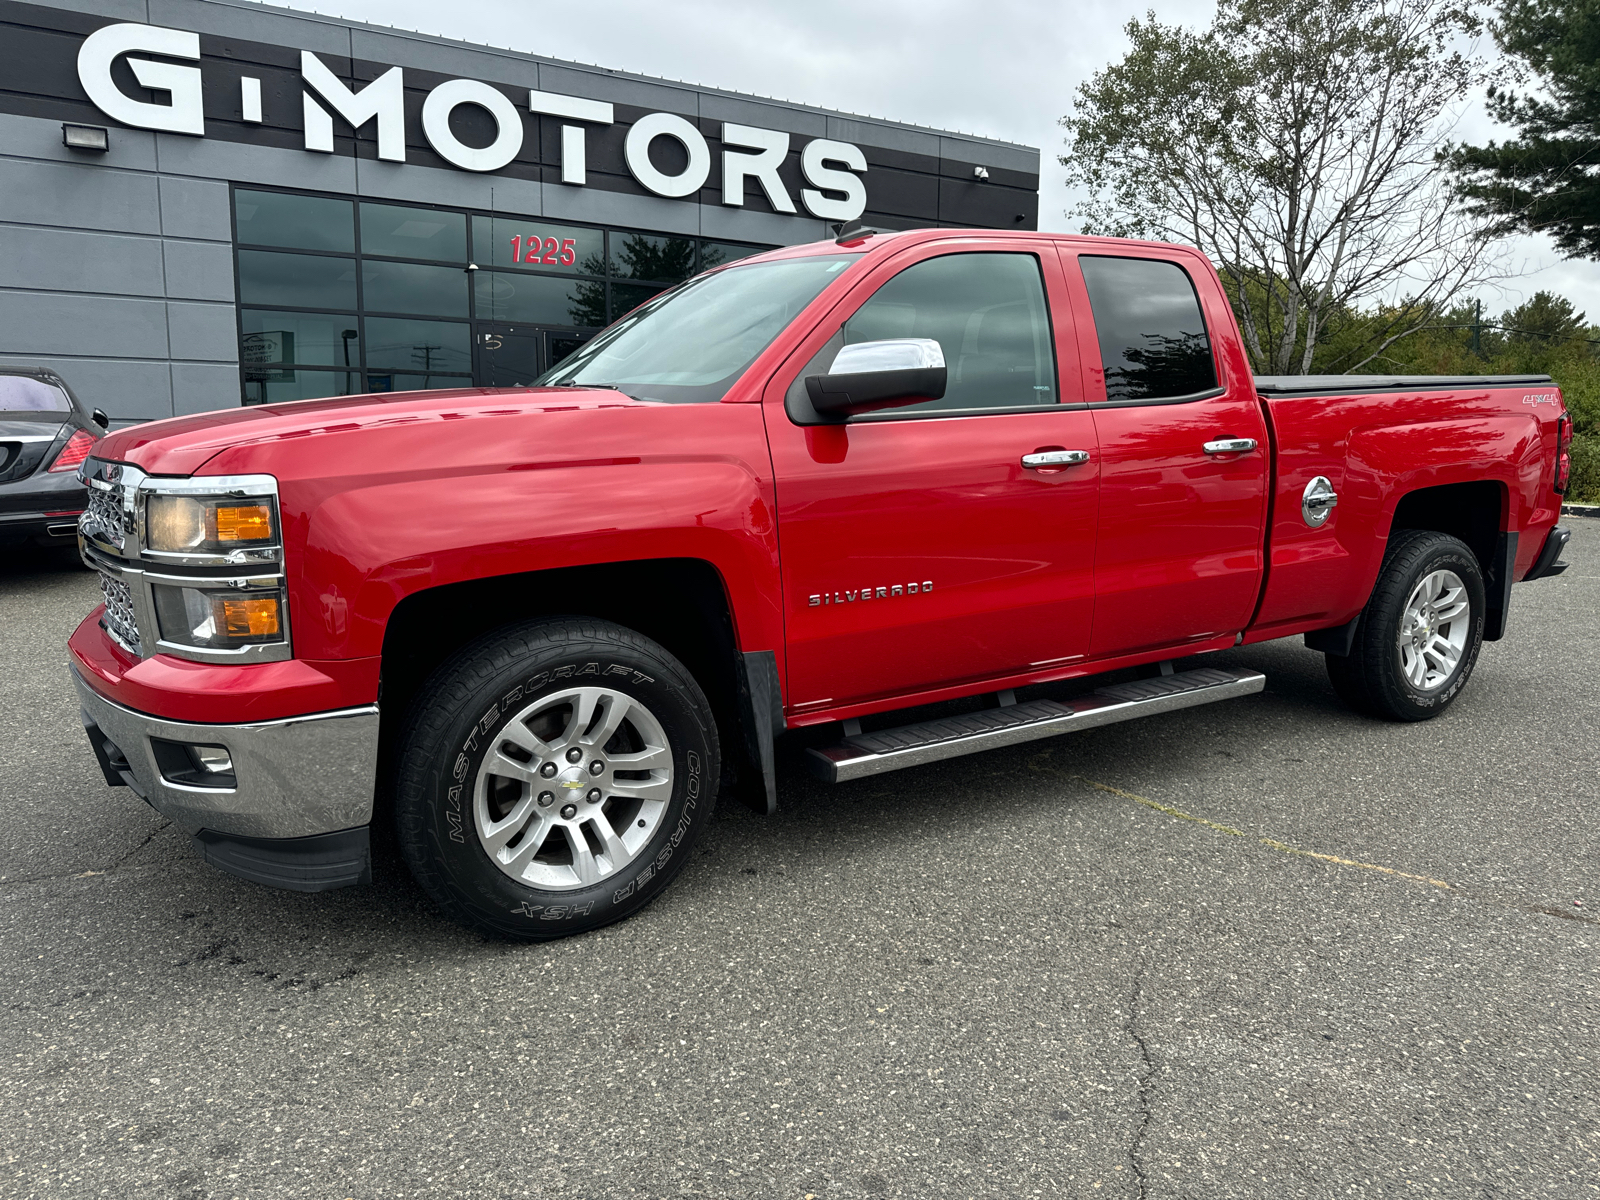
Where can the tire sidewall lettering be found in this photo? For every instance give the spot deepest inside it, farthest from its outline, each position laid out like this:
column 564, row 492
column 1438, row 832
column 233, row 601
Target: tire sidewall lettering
column 645, row 876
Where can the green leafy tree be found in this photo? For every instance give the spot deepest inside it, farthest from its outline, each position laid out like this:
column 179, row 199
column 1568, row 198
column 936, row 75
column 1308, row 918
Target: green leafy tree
column 1547, row 179
column 1296, row 143
column 1544, row 335
column 1547, row 318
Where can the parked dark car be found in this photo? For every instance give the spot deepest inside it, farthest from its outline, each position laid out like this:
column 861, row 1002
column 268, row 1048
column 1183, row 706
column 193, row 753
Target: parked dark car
column 45, row 432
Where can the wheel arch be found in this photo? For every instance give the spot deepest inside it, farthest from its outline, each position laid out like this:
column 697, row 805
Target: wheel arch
column 681, row 603
column 1476, row 512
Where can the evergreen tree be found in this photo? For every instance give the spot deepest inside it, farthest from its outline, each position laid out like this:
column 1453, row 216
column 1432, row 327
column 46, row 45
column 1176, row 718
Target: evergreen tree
column 1546, row 180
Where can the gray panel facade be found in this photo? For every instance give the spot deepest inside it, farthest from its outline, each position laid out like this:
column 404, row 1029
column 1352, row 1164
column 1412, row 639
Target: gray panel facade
column 117, row 268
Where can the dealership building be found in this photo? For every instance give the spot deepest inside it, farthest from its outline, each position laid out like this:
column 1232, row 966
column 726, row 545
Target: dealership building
column 205, row 203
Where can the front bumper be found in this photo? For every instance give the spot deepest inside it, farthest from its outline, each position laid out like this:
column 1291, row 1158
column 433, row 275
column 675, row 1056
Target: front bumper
column 298, row 777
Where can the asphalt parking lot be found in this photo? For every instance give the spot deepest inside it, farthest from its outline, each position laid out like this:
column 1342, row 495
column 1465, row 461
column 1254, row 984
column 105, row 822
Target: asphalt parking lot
column 1264, row 948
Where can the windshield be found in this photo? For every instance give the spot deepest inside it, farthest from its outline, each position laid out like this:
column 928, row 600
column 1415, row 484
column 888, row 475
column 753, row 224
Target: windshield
column 20, row 393
column 691, row 344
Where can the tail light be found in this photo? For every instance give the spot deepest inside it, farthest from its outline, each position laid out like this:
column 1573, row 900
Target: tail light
column 1563, row 453
column 74, row 452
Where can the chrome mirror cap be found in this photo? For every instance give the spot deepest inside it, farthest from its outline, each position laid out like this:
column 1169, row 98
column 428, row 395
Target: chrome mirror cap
column 891, row 354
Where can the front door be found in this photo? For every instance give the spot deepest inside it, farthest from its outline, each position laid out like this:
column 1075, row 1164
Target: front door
column 509, row 355
column 1184, row 461
column 918, row 550
column 516, row 355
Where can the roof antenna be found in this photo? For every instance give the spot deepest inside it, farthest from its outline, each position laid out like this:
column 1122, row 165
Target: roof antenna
column 859, row 234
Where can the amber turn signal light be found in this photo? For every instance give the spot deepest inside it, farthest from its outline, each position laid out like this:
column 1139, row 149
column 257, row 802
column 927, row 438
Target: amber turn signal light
column 243, row 523
column 250, row 618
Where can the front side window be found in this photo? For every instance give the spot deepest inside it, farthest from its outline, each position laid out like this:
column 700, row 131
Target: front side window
column 692, row 344
column 988, row 313
column 1153, row 341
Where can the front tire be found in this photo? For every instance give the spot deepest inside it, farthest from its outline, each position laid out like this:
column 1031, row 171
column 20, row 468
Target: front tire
column 1419, row 636
column 554, row 777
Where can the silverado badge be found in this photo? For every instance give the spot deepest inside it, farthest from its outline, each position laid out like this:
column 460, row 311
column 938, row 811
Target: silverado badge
column 869, row 593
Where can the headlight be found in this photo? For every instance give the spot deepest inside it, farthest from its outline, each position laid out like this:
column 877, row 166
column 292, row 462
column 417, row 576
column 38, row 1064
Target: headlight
column 179, row 524
column 212, row 618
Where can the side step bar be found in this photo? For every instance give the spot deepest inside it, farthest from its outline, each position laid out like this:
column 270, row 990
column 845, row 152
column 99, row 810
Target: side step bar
column 866, row 754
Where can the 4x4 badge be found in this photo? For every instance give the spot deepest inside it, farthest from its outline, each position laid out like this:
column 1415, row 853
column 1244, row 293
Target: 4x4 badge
column 869, row 593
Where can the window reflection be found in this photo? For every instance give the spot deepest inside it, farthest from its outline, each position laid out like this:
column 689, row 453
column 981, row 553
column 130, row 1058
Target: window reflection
column 643, row 256
column 296, row 280
column 538, row 299
column 310, row 339
column 413, row 233
column 401, row 344
column 717, row 254
column 301, row 222
column 411, row 288
column 266, row 386
column 1153, row 341
column 400, row 381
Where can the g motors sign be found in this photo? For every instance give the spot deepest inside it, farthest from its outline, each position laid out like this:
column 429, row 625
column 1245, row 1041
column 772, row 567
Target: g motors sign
column 158, row 59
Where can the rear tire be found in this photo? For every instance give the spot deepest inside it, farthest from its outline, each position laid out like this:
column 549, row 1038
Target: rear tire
column 1419, row 636
column 554, row 777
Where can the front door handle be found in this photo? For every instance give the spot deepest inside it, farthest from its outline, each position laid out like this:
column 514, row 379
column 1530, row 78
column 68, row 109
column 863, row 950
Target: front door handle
column 1054, row 458
column 1230, row 446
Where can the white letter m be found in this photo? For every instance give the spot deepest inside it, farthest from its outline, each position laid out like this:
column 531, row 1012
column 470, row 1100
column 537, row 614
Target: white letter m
column 383, row 98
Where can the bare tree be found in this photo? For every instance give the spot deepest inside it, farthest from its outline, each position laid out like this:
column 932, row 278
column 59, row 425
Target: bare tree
column 1296, row 143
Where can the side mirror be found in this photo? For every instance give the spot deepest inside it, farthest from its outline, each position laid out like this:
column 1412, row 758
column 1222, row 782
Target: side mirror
column 873, row 375
column 100, row 419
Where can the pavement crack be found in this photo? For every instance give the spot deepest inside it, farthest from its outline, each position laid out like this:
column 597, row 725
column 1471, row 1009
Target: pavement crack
column 1146, row 1083
column 91, row 872
column 150, row 837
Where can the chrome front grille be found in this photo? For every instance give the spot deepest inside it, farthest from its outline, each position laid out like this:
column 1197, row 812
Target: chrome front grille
column 103, row 521
column 119, row 619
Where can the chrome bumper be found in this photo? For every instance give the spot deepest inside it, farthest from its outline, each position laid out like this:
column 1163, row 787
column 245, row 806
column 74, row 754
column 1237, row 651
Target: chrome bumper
column 294, row 778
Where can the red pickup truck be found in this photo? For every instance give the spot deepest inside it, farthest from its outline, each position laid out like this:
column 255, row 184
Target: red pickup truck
column 532, row 627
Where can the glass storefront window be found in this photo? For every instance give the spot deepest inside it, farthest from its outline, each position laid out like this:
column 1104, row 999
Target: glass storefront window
column 398, row 232
column 643, row 256
column 625, row 297
column 410, row 288
column 399, row 381
column 299, row 222
column 400, row 344
column 538, row 245
column 539, row 299
column 265, row 386
column 296, row 280
column 309, row 339
column 716, row 254
column 430, row 321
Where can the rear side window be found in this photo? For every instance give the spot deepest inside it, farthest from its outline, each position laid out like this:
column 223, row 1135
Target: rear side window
column 18, row 393
column 1153, row 340
column 988, row 314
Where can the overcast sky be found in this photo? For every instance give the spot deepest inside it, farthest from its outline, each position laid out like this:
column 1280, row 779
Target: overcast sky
column 1000, row 68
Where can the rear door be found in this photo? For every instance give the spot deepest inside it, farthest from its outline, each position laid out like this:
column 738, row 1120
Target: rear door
column 918, row 550
column 1184, row 455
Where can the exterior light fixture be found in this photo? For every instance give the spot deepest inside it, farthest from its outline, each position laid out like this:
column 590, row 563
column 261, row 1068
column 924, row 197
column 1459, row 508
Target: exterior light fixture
column 86, row 137
column 980, row 172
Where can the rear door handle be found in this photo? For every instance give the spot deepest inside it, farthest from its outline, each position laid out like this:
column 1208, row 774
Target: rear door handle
column 1054, row 458
column 1230, row 446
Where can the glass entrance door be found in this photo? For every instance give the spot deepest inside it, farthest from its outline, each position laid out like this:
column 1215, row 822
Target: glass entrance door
column 516, row 355
column 509, row 355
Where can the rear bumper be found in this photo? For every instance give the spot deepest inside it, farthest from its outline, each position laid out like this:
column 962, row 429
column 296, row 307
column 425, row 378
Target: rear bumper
column 43, row 508
column 297, row 777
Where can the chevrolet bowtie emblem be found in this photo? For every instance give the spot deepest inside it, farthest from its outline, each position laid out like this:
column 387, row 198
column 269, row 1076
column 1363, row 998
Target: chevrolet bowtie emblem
column 869, row 593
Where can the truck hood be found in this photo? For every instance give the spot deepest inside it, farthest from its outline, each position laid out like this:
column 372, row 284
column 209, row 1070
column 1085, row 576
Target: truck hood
column 183, row 445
